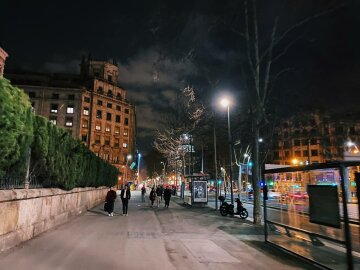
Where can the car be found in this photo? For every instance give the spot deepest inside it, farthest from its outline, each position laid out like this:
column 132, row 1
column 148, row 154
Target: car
column 298, row 196
column 273, row 194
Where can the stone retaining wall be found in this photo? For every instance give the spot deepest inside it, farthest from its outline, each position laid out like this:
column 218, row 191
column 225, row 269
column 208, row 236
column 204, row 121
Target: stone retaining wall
column 25, row 213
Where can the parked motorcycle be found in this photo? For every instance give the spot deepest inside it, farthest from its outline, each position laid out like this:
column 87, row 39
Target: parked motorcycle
column 228, row 208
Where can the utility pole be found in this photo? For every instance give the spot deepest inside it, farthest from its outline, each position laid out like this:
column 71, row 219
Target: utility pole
column 216, row 172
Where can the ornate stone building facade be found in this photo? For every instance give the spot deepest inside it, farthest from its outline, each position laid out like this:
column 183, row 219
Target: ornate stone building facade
column 3, row 56
column 92, row 106
column 314, row 138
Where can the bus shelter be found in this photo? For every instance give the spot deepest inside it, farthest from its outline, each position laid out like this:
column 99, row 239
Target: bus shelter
column 194, row 189
column 310, row 213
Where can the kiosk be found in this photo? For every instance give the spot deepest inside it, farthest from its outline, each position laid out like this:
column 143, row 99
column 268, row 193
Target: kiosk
column 196, row 189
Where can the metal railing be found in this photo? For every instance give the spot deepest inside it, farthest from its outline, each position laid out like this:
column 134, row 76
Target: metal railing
column 18, row 182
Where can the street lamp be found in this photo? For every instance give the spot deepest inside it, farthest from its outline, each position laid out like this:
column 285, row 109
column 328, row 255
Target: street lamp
column 139, row 158
column 128, row 158
column 225, row 102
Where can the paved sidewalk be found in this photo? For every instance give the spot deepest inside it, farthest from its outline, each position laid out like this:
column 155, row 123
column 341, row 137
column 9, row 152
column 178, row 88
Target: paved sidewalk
column 156, row 238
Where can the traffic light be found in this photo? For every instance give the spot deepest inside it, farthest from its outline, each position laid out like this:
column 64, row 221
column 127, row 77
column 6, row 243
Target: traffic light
column 265, row 192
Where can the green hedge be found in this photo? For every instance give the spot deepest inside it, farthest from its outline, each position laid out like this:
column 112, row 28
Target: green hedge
column 16, row 129
column 57, row 159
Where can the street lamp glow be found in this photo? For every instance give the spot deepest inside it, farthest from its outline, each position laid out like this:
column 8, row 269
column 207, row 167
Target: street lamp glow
column 225, row 102
column 129, row 157
column 261, row 140
column 350, row 143
column 246, row 155
column 295, row 161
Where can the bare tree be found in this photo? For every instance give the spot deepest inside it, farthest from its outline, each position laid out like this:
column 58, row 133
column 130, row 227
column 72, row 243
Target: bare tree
column 261, row 54
column 188, row 114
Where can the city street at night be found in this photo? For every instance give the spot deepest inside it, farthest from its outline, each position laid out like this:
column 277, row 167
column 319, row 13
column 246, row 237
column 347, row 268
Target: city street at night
column 244, row 113
column 174, row 238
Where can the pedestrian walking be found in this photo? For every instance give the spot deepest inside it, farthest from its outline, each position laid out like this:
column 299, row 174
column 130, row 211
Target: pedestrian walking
column 110, row 200
column 143, row 191
column 152, row 196
column 158, row 196
column 167, row 196
column 162, row 191
column 125, row 197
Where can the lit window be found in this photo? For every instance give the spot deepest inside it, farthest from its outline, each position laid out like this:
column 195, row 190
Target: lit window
column 54, row 108
column 126, row 133
column 70, row 109
column 69, row 122
column 85, row 124
column 53, row 120
column 125, row 145
column 98, row 127
column 86, row 111
column 107, row 129
column 117, row 130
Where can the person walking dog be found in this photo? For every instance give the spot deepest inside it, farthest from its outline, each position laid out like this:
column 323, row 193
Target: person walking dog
column 125, row 197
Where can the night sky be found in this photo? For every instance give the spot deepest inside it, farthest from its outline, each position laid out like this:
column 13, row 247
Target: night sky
column 163, row 46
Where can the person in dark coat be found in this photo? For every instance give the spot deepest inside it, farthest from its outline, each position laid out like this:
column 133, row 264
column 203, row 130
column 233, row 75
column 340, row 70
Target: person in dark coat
column 143, row 191
column 110, row 200
column 159, row 193
column 125, row 197
column 152, row 196
column 167, row 196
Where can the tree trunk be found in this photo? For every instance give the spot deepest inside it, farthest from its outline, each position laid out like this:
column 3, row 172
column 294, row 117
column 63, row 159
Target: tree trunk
column 256, row 179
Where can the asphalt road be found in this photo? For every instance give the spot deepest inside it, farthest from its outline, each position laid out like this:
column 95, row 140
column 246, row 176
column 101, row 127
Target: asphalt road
column 174, row 238
column 294, row 219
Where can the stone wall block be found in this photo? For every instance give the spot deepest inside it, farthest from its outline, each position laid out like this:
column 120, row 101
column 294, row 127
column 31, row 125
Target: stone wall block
column 27, row 213
column 9, row 213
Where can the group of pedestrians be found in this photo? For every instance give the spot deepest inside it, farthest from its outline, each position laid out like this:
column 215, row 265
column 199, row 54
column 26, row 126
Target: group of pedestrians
column 158, row 194
column 125, row 196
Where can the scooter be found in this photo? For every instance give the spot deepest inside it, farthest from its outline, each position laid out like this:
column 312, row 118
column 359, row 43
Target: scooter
column 228, row 208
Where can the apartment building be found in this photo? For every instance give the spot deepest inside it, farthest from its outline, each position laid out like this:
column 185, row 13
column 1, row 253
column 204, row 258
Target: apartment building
column 91, row 106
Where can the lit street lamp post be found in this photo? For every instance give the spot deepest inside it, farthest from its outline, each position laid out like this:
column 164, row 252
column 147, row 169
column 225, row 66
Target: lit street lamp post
column 128, row 157
column 138, row 176
column 226, row 103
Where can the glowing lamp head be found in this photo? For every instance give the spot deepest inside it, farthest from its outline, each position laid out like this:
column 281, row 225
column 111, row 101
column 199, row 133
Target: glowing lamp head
column 225, row 102
column 350, row 143
column 295, row 161
column 129, row 156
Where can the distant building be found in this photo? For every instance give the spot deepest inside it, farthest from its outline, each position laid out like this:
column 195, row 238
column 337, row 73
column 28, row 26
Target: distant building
column 91, row 107
column 314, row 138
column 3, row 56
